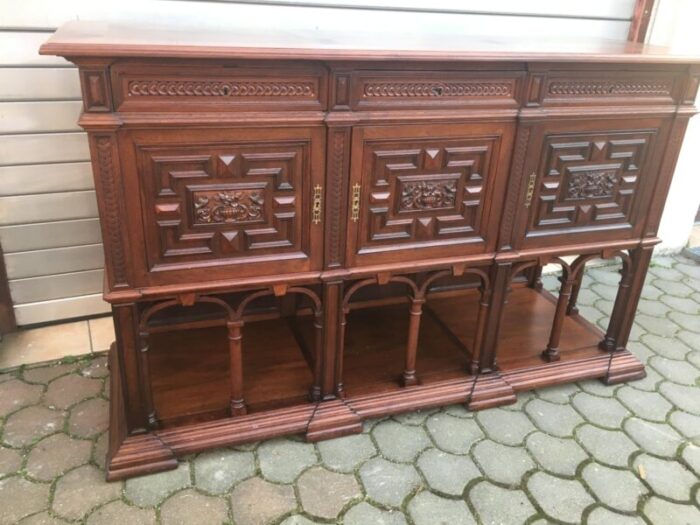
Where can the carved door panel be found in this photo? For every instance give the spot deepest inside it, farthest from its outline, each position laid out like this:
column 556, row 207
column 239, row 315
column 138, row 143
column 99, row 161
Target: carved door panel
column 228, row 203
column 425, row 191
column 586, row 181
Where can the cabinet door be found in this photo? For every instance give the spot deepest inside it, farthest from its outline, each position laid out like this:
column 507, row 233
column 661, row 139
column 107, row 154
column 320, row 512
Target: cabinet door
column 222, row 204
column 588, row 181
column 425, row 191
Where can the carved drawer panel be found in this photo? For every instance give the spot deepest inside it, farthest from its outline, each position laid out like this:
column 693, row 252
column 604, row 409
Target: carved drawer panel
column 589, row 183
column 142, row 87
column 422, row 192
column 558, row 88
column 233, row 206
column 417, row 89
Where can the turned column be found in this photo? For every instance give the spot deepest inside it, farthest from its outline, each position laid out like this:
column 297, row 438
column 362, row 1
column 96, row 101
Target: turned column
column 235, row 337
column 482, row 316
column 409, row 374
column 627, row 299
column 572, row 309
column 315, row 393
column 500, row 286
column 551, row 353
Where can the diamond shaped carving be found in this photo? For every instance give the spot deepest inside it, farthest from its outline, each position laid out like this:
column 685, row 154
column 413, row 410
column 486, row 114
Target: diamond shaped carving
column 224, row 201
column 423, row 191
column 588, row 180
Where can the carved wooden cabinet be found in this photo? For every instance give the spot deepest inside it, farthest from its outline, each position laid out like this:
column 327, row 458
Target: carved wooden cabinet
column 299, row 237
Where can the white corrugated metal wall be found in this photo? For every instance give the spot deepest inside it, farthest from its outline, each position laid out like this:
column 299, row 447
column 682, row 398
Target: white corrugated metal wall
column 48, row 214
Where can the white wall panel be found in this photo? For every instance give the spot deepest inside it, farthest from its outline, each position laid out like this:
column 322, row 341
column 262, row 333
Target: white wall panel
column 30, row 83
column 44, row 148
column 71, row 259
column 39, row 117
column 45, row 178
column 41, row 235
column 41, row 312
column 46, row 207
column 59, row 286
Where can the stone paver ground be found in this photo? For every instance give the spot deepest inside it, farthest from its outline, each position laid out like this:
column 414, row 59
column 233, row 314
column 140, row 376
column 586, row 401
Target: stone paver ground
column 581, row 453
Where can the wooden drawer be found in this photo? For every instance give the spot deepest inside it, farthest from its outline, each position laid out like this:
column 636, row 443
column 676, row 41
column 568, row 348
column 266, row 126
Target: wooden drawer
column 425, row 191
column 217, row 87
column 223, row 204
column 568, row 87
column 366, row 90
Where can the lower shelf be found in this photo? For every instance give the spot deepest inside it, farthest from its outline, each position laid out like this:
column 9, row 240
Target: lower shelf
column 190, row 374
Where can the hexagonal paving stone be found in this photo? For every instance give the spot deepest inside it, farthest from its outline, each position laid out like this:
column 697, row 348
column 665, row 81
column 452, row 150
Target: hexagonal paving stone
column 647, row 405
column 217, row 471
column 388, row 483
column 690, row 269
column 45, row 462
column 659, row 439
column 559, row 393
column 597, row 388
column 509, row 428
column 657, row 325
column 609, row 274
column 146, row 491
column 96, row 368
column 552, row 418
column 605, row 291
column 68, row 390
column 346, row 453
column 661, row 511
column 686, row 424
column 99, row 451
column 656, row 308
column 501, row 463
column 499, row 506
column 259, row 502
column 298, row 519
column 414, row 418
column 686, row 321
column 89, row 418
column 681, row 304
column 619, row 489
column 447, row 473
column 31, row 424
column 10, row 461
column 120, row 512
column 676, row 288
column 192, row 508
column 677, row 371
column 607, row 413
column 670, row 348
column 692, row 339
column 684, row 397
column 666, row 478
column 324, row 494
column 20, row 497
column 16, row 394
column 453, row 434
column 365, row 514
column 282, row 460
column 43, row 374
column 81, row 490
column 603, row 516
column 401, row 443
column 691, row 455
column 641, row 351
column 429, row 509
column 649, row 291
column 570, row 501
column 606, row 446
column 649, row 383
column 557, row 455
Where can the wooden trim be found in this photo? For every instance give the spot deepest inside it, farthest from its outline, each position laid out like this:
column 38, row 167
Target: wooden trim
column 640, row 20
column 8, row 323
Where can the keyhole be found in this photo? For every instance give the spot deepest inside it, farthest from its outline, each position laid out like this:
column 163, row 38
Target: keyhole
column 437, row 91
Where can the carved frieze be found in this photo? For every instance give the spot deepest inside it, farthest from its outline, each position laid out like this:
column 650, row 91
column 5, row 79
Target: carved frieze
column 591, row 183
column 426, row 195
column 220, row 88
column 610, row 87
column 437, row 89
column 228, row 206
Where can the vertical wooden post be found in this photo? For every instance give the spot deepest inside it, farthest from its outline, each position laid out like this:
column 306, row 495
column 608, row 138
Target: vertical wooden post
column 482, row 316
column 315, row 393
column 409, row 374
column 571, row 308
column 627, row 299
column 551, row 353
column 333, row 328
column 236, row 358
column 500, row 279
column 144, row 365
column 133, row 379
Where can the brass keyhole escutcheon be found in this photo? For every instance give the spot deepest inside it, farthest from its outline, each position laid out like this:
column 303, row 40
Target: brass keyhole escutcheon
column 530, row 189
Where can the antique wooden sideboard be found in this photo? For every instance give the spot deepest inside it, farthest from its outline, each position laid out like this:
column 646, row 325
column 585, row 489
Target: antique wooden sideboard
column 303, row 231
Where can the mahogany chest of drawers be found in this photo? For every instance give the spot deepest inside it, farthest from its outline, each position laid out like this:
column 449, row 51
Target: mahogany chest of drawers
column 299, row 236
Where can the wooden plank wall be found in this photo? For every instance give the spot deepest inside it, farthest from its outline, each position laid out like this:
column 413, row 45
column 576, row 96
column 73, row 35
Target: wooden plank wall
column 48, row 215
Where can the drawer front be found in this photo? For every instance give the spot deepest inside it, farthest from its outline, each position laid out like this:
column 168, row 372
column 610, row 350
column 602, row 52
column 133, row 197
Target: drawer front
column 144, row 87
column 229, row 203
column 562, row 88
column 589, row 181
column 428, row 191
column 421, row 89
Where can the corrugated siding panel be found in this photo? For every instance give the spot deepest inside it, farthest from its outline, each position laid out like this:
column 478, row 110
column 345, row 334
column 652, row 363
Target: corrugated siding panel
column 48, row 225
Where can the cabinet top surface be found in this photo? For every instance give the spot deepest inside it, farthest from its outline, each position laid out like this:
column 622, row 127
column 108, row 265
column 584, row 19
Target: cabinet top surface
column 107, row 39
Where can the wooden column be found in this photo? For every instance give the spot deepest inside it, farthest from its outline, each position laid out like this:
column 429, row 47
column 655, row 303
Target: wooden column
column 482, row 316
column 315, row 393
column 627, row 299
column 409, row 374
column 571, row 308
column 333, row 339
column 500, row 279
column 551, row 353
column 236, row 362
column 134, row 379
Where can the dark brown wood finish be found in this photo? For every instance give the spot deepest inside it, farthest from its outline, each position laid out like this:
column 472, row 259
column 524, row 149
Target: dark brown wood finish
column 302, row 232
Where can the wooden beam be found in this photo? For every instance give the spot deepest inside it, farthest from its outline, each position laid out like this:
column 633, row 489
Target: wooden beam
column 640, row 20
